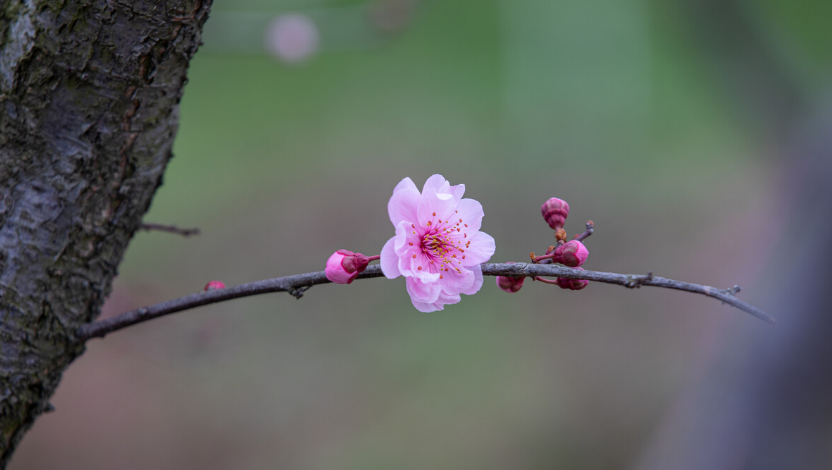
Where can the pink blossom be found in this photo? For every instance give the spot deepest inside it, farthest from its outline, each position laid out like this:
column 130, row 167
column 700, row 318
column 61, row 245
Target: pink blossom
column 572, row 253
column 438, row 246
column 344, row 266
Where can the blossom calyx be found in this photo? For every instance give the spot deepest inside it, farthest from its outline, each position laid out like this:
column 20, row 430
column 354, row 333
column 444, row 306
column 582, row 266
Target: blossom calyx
column 554, row 211
column 572, row 284
column 572, row 253
column 344, row 266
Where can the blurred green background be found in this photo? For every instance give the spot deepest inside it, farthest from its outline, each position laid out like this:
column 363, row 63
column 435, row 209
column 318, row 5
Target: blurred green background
column 620, row 108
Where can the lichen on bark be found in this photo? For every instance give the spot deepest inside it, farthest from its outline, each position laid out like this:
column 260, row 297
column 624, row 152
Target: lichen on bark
column 89, row 95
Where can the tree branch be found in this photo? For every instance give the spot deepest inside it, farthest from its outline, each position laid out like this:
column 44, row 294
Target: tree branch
column 590, row 229
column 185, row 232
column 298, row 284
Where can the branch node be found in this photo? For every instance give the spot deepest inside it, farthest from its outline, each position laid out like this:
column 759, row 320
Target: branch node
column 298, row 293
column 634, row 282
column 733, row 291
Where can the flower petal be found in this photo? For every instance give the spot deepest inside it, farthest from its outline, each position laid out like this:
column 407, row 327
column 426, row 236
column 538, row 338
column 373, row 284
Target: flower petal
column 481, row 249
column 433, row 208
column 390, row 260
column 425, row 306
column 404, row 237
column 443, row 187
column 471, row 213
column 402, row 249
column 402, row 205
column 458, row 191
column 427, row 292
column 405, row 185
column 446, row 299
column 477, row 284
column 453, row 282
column 421, row 261
column 434, row 183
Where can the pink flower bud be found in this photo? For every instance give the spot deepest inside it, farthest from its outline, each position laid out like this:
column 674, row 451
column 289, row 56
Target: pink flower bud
column 572, row 253
column 344, row 266
column 214, row 285
column 510, row 284
column 572, row 284
column 554, row 212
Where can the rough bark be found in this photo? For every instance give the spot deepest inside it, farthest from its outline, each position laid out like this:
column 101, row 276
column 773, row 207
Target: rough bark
column 89, row 93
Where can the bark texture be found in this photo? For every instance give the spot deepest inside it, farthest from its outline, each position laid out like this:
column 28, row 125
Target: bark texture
column 89, row 93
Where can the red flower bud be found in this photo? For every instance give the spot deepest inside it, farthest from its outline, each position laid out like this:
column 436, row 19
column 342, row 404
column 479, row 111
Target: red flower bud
column 572, row 284
column 554, row 212
column 344, row 266
column 572, row 253
column 214, row 285
column 510, row 284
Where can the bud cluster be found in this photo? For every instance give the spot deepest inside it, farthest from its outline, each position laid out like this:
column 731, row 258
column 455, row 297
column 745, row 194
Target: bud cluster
column 571, row 253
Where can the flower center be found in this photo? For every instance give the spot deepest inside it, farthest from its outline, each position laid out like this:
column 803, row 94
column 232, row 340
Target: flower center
column 444, row 244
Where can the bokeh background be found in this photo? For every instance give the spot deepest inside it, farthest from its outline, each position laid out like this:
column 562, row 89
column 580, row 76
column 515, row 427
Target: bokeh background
column 695, row 134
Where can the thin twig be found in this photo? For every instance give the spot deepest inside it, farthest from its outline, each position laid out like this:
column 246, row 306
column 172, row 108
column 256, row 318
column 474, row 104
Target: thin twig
column 185, row 232
column 590, row 228
column 298, row 284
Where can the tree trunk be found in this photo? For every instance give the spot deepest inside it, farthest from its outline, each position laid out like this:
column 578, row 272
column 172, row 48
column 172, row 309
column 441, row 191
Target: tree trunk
column 89, row 95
